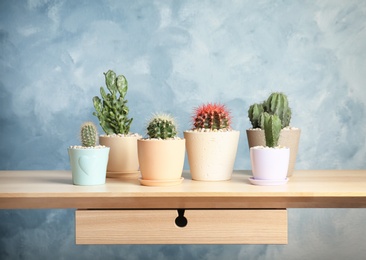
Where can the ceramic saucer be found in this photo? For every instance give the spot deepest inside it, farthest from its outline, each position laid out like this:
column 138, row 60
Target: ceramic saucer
column 161, row 183
column 124, row 175
column 267, row 182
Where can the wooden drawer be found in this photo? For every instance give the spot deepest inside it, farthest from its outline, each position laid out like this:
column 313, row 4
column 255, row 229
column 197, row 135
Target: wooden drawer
column 196, row 226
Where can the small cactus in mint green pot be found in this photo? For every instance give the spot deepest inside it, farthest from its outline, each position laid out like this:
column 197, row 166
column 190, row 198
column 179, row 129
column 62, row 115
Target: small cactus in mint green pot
column 161, row 153
column 89, row 160
column 211, row 143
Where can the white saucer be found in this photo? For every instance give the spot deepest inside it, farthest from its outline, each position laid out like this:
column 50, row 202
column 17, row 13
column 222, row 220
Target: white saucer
column 267, row 182
column 161, row 183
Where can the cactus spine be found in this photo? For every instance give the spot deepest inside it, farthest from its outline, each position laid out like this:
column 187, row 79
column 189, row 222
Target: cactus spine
column 272, row 129
column 162, row 126
column 212, row 116
column 88, row 134
column 112, row 112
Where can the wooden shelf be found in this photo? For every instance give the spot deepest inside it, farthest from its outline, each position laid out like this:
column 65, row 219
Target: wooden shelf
column 305, row 189
column 230, row 212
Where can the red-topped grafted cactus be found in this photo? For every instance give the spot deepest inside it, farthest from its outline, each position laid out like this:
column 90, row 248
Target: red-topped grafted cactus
column 212, row 116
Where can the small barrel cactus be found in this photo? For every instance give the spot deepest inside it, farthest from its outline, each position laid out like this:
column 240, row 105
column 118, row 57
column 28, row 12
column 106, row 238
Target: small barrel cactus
column 212, row 116
column 254, row 113
column 112, row 112
column 162, row 126
column 88, row 134
column 277, row 104
column 272, row 129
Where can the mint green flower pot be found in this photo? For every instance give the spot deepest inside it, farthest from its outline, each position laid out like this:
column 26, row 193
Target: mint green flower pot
column 88, row 166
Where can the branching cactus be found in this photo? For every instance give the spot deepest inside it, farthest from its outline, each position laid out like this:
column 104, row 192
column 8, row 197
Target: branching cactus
column 254, row 113
column 88, row 134
column 272, row 129
column 112, row 112
column 162, row 126
column 212, row 116
column 277, row 104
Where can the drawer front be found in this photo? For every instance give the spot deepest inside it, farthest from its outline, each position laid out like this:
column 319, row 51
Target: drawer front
column 219, row 226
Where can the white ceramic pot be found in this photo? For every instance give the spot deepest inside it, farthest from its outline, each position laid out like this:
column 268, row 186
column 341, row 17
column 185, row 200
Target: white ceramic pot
column 211, row 155
column 269, row 163
column 289, row 137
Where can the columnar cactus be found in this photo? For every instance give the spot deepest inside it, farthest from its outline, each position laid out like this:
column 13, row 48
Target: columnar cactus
column 254, row 113
column 162, row 126
column 88, row 134
column 277, row 104
column 211, row 116
column 113, row 111
column 272, row 129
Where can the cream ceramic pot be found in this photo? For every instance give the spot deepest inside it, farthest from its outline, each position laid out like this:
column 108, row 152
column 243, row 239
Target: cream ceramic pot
column 123, row 157
column 211, row 155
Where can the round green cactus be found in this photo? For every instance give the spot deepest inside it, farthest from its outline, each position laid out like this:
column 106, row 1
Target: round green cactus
column 162, row 126
column 88, row 134
column 211, row 116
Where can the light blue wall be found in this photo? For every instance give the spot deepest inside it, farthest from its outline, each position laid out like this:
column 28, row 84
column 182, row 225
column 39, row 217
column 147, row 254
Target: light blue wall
column 177, row 55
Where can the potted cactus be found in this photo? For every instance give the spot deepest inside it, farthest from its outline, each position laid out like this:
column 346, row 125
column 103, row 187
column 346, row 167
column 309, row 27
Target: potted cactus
column 211, row 143
column 276, row 104
column 270, row 163
column 88, row 161
column 161, row 153
column 112, row 113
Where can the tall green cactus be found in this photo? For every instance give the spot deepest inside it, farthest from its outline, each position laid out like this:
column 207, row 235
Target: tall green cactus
column 88, row 134
column 162, row 126
column 112, row 112
column 254, row 113
column 272, row 129
column 277, row 104
column 212, row 116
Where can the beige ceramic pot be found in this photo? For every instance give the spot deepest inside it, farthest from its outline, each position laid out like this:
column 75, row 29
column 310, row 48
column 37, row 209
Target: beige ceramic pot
column 161, row 161
column 211, row 155
column 289, row 138
column 123, row 157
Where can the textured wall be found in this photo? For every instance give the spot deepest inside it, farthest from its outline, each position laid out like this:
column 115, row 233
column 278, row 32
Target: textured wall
column 176, row 55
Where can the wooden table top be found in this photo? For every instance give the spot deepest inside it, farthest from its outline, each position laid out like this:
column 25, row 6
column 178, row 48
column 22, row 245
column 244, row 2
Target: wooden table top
column 305, row 189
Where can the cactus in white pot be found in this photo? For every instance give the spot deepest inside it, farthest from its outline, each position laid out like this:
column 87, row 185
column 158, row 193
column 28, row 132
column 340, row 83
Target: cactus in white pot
column 270, row 162
column 276, row 104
